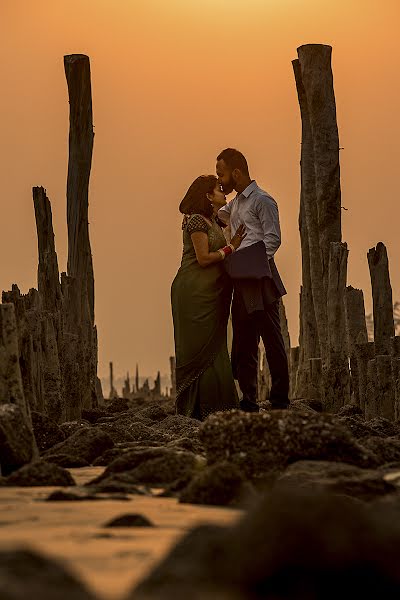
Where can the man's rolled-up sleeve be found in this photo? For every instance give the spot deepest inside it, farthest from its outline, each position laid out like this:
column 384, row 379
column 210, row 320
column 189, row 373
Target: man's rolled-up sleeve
column 268, row 214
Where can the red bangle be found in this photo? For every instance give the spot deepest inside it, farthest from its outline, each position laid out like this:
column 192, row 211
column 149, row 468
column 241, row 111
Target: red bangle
column 227, row 250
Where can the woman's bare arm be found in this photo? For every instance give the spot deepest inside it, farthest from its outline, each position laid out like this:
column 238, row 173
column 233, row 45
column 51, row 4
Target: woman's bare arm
column 200, row 244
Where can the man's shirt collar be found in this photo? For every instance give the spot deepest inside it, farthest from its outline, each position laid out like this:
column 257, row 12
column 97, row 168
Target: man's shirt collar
column 250, row 188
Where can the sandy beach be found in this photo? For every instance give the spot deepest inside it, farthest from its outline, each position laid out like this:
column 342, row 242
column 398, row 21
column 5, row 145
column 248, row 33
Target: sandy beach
column 109, row 560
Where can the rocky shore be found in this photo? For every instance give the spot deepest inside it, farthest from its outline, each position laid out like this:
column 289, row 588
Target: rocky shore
column 319, row 494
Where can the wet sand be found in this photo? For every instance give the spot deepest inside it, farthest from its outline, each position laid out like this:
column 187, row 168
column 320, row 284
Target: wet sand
column 109, row 560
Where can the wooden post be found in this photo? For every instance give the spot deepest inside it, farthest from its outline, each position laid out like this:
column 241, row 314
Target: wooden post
column 317, row 79
column 80, row 307
column 380, row 401
column 316, row 388
column 11, row 389
column 382, row 298
column 337, row 376
column 365, row 352
column 356, row 333
column 313, row 283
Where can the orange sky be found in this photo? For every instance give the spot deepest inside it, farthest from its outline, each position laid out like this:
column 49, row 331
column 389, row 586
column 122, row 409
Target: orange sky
column 174, row 82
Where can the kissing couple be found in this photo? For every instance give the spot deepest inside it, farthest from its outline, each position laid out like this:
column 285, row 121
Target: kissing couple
column 227, row 248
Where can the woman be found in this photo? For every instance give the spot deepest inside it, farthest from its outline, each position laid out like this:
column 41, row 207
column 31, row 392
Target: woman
column 201, row 296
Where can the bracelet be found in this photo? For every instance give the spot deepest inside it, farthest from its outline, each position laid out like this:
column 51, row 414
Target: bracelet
column 227, row 250
column 222, row 253
column 233, row 247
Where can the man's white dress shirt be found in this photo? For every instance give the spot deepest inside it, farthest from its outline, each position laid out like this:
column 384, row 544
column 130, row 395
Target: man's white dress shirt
column 258, row 211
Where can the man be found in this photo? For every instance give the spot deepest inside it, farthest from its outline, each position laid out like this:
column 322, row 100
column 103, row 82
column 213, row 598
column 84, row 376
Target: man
column 255, row 308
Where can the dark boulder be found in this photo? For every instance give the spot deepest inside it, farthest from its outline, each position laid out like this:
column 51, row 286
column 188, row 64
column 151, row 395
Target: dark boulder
column 154, row 412
column 86, row 443
column 129, row 520
column 117, row 432
column 387, row 449
column 117, row 405
column 358, row 428
column 40, row 473
column 80, row 495
column 17, row 443
column 69, row 427
column 93, row 414
column 383, row 427
column 178, row 426
column 66, row 459
column 157, row 466
column 260, row 442
column 221, row 484
column 350, row 410
column 47, row 432
column 333, row 477
column 27, row 574
column 145, row 434
column 293, row 546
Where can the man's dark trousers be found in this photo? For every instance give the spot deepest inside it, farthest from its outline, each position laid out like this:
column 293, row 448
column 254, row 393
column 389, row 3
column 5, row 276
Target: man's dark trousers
column 247, row 330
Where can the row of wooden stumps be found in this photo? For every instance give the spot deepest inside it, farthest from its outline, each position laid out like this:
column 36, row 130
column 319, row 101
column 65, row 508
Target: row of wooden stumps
column 334, row 362
column 48, row 340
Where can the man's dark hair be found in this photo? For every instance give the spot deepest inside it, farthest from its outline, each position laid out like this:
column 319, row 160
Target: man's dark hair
column 195, row 200
column 234, row 160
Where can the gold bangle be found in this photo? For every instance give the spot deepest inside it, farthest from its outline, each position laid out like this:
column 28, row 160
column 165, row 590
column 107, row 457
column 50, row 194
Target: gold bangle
column 232, row 247
column 222, row 253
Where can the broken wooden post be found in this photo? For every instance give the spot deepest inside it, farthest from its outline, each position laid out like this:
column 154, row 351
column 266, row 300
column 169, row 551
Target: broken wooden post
column 380, row 400
column 316, row 386
column 365, row 352
column 49, row 288
column 356, row 333
column 337, row 376
column 11, row 388
column 113, row 391
column 382, row 299
column 80, row 307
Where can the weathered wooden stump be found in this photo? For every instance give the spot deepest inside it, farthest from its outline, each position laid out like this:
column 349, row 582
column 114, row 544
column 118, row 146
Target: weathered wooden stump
column 365, row 351
column 356, row 333
column 382, row 298
column 337, row 376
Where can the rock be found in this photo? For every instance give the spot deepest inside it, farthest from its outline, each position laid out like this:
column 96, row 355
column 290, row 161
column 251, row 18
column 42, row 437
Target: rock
column 178, row 425
column 386, row 449
column 87, row 443
column 383, row 427
column 69, row 427
column 333, row 477
column 108, row 456
column 27, row 574
column 153, row 413
column 81, row 495
column 46, row 431
column 183, row 571
column 117, row 405
column 40, row 473
column 117, row 432
column 260, row 442
column 301, row 405
column 166, row 469
column 142, row 433
column 350, row 410
column 152, row 466
column 187, row 443
column 291, row 546
column 358, row 428
column 93, row 414
column 129, row 520
column 65, row 459
column 221, row 484
column 16, row 439
column 124, row 483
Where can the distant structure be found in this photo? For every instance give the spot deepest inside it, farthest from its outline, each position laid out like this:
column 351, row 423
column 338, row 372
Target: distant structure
column 113, row 391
